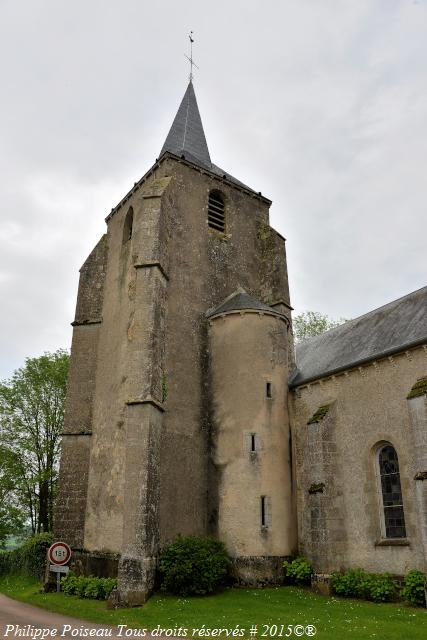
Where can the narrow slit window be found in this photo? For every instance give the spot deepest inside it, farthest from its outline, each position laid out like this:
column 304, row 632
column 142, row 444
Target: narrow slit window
column 263, row 512
column 253, row 442
column 216, row 211
column 394, row 518
column 268, row 389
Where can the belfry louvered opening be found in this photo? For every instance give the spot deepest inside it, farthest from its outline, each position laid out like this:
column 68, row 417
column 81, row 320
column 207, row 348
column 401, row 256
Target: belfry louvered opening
column 216, row 211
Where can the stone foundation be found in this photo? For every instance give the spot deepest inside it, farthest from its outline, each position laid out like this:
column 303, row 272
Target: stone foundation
column 258, row 571
column 320, row 582
column 103, row 565
column 86, row 563
column 136, row 580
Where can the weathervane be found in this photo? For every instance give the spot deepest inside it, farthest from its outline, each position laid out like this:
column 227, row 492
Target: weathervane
column 190, row 58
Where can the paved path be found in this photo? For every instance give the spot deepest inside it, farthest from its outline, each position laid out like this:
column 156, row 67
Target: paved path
column 15, row 613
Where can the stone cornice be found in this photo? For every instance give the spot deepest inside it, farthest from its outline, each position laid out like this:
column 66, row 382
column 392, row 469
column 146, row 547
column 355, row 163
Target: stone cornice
column 192, row 165
column 355, row 366
column 147, row 400
column 82, row 323
column 149, row 265
column 75, row 433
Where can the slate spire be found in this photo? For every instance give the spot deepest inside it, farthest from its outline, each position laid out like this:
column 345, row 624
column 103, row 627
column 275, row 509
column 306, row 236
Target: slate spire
column 186, row 136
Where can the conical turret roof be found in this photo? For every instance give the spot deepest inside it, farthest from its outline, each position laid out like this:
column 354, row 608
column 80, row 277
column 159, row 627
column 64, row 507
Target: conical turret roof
column 186, row 136
column 240, row 300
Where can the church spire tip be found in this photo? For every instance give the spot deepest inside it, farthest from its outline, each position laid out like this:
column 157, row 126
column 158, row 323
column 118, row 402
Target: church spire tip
column 186, row 136
column 190, row 57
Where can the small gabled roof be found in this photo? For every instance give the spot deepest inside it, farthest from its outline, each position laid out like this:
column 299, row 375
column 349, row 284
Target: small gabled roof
column 393, row 328
column 240, row 301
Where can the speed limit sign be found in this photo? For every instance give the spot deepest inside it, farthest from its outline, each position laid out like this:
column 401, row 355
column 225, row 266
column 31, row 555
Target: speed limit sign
column 59, row 553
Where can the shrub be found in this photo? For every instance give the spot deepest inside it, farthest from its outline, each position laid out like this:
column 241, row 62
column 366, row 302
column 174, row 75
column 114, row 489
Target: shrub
column 80, row 588
column 298, row 571
column 29, row 559
column 88, row 586
column 349, row 583
column 379, row 587
column 192, row 565
column 356, row 583
column 108, row 585
column 33, row 553
column 68, row 583
column 414, row 589
column 93, row 589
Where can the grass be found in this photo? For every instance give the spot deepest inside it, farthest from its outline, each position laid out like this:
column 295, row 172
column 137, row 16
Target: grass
column 334, row 618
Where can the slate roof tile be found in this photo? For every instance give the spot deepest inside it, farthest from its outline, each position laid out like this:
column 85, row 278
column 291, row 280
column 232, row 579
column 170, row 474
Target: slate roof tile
column 394, row 327
column 240, row 300
column 187, row 138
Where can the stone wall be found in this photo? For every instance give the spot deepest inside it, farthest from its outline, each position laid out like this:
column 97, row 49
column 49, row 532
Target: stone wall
column 369, row 407
column 91, row 285
column 70, row 511
column 417, row 406
column 323, row 533
column 248, row 350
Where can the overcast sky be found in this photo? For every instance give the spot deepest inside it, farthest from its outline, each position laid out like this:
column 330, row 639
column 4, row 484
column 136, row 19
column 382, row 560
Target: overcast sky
column 319, row 104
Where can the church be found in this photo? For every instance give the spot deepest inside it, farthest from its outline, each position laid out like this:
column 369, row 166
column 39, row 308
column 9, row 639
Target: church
column 191, row 411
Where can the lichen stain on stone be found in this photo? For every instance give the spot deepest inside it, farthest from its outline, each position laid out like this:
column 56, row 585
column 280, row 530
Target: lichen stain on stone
column 155, row 188
column 132, row 289
column 316, row 487
column 131, row 327
column 319, row 414
column 418, row 389
column 263, row 230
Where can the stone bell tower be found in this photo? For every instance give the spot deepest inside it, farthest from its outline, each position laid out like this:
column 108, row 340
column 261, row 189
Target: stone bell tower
column 148, row 417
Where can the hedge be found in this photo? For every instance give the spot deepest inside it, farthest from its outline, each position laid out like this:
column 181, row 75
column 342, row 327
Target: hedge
column 88, row 586
column 357, row 583
column 29, row 559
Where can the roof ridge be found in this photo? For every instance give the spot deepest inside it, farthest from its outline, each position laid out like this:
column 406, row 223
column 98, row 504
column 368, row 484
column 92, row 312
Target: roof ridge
column 384, row 305
column 212, row 310
column 364, row 315
column 186, row 120
column 392, row 328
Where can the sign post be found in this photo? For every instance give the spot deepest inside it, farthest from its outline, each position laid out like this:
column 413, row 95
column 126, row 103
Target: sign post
column 59, row 554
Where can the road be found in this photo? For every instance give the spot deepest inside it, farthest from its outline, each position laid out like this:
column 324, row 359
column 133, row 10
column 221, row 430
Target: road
column 32, row 622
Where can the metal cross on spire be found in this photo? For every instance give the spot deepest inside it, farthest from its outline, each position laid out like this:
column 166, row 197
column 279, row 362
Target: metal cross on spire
column 190, row 57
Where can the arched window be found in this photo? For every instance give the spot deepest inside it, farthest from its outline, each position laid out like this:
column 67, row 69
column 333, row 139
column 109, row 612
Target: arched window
column 127, row 227
column 216, row 211
column 394, row 519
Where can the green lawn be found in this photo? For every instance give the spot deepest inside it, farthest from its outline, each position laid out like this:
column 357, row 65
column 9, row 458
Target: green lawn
column 335, row 619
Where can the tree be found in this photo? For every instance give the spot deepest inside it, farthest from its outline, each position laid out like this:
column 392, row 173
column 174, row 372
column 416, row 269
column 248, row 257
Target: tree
column 313, row 323
column 12, row 515
column 31, row 422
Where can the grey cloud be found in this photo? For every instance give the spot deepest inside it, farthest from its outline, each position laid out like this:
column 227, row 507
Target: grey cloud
column 321, row 106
